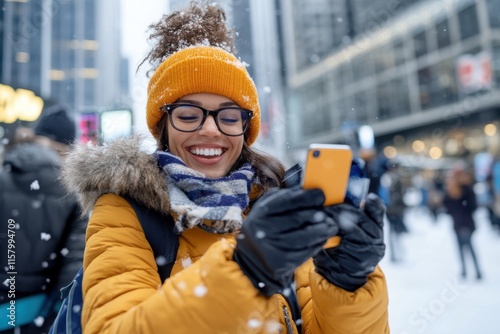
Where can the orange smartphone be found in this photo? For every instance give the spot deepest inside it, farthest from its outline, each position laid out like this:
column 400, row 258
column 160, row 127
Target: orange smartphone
column 327, row 167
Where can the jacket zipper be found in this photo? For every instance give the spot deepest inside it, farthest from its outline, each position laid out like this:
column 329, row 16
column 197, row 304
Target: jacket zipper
column 288, row 322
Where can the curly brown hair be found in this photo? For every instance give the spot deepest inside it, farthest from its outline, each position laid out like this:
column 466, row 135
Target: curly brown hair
column 200, row 24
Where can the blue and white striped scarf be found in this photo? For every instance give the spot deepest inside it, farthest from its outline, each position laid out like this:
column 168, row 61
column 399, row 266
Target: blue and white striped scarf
column 215, row 205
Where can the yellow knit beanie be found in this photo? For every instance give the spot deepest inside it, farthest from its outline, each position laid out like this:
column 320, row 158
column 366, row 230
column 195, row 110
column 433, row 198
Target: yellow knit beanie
column 202, row 69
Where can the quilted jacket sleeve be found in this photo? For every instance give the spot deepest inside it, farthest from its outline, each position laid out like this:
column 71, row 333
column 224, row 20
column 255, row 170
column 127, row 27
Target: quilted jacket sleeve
column 330, row 309
column 123, row 293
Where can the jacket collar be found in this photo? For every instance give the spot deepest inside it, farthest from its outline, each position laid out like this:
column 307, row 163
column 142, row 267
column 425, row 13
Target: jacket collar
column 121, row 167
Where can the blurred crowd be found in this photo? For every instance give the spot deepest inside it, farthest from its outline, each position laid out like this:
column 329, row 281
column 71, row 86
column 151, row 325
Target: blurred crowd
column 43, row 233
column 457, row 189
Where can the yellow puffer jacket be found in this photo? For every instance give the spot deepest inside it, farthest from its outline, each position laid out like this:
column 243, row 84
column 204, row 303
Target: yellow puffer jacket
column 207, row 292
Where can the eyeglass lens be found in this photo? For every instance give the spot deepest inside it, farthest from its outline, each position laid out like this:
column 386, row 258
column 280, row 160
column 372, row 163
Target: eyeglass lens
column 231, row 121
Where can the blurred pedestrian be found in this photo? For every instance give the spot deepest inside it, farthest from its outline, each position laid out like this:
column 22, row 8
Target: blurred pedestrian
column 391, row 180
column 435, row 195
column 493, row 182
column 376, row 166
column 42, row 237
column 460, row 202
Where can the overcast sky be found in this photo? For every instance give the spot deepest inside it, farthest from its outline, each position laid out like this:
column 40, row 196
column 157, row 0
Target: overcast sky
column 136, row 16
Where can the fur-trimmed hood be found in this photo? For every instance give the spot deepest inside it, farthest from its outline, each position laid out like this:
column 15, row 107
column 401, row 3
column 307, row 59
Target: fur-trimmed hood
column 121, row 167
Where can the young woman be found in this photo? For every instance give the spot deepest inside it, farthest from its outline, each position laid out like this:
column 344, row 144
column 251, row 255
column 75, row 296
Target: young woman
column 242, row 240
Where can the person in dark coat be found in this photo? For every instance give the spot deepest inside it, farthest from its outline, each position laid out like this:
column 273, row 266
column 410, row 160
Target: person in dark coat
column 460, row 203
column 42, row 238
column 395, row 208
column 493, row 206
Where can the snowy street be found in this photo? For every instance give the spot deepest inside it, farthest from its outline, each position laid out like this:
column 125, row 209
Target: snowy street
column 426, row 293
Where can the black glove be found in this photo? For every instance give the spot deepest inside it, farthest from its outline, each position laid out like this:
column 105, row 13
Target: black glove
column 284, row 228
column 361, row 248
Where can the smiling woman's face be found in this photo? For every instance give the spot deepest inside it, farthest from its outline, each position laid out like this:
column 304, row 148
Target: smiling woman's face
column 207, row 150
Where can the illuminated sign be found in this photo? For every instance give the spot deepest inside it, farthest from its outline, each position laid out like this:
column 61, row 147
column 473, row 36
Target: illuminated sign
column 474, row 72
column 89, row 127
column 19, row 104
column 116, row 124
column 366, row 137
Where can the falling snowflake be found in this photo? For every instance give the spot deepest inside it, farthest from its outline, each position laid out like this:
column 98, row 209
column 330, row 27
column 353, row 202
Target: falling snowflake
column 200, row 290
column 262, row 284
column 45, row 236
column 347, row 220
column 64, row 251
column 272, row 326
column 45, row 264
column 161, row 260
column 35, row 185
column 76, row 308
column 186, row 262
column 260, row 234
column 254, row 323
column 319, row 217
column 39, row 321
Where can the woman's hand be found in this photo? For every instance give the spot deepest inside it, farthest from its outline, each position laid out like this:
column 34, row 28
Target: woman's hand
column 361, row 247
column 284, row 228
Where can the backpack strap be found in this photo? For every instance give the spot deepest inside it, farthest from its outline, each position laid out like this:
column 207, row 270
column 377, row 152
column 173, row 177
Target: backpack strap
column 293, row 302
column 160, row 233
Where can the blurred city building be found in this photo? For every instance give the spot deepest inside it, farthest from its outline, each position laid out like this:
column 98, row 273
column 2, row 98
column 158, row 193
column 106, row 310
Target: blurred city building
column 423, row 74
column 65, row 50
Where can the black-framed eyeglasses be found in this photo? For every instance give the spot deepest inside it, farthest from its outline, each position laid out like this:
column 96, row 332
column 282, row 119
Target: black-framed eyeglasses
column 185, row 117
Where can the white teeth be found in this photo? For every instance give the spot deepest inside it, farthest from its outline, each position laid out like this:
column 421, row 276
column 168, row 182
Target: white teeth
column 208, row 152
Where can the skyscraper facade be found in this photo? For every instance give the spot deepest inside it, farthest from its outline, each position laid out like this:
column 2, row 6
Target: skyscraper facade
column 64, row 50
column 423, row 72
